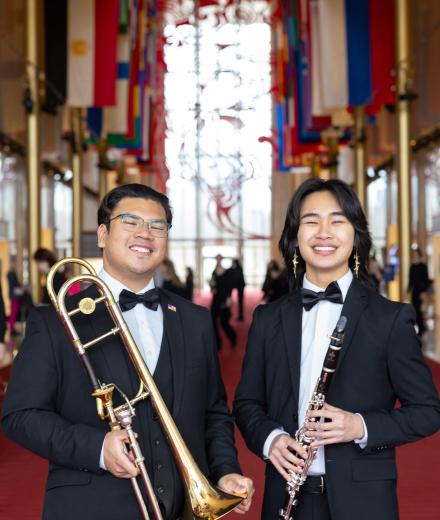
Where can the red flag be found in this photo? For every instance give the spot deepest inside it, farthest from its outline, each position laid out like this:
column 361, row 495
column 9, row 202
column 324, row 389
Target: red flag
column 382, row 41
column 106, row 32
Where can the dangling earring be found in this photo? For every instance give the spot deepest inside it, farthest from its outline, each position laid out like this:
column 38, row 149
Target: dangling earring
column 357, row 264
column 294, row 262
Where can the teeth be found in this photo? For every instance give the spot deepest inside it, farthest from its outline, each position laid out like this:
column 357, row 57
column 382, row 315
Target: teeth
column 140, row 249
column 322, row 248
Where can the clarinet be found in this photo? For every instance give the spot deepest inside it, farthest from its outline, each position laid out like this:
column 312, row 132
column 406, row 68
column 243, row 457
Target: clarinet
column 296, row 480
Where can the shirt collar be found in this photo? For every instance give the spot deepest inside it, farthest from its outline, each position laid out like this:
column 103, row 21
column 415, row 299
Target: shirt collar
column 344, row 283
column 116, row 287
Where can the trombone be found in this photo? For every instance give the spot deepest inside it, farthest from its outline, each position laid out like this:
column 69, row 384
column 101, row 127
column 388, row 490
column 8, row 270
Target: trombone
column 203, row 501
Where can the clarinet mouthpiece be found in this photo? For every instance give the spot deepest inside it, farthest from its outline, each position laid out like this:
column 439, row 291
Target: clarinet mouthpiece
column 340, row 326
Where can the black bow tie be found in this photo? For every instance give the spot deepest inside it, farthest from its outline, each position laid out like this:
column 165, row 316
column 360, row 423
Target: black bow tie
column 332, row 294
column 128, row 299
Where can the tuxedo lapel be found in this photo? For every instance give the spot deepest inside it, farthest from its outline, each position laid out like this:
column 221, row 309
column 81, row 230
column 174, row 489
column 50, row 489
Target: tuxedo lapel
column 354, row 304
column 173, row 327
column 291, row 316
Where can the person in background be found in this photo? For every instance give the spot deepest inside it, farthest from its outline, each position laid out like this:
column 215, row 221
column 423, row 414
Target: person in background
column 275, row 284
column 2, row 328
column 221, row 284
column 418, row 286
column 171, row 282
column 15, row 293
column 239, row 284
column 189, row 284
column 45, row 259
column 375, row 271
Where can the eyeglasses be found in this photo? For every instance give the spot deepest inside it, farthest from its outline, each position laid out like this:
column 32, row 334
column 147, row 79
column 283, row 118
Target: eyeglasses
column 157, row 227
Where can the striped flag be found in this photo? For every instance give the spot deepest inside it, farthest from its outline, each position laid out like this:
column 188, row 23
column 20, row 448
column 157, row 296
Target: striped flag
column 91, row 52
column 329, row 57
column 115, row 118
column 352, row 54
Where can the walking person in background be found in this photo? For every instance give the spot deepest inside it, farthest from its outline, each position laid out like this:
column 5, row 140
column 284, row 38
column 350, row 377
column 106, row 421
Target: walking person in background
column 171, row 282
column 2, row 328
column 45, row 259
column 239, row 284
column 418, row 286
column 189, row 284
column 15, row 293
column 376, row 272
column 275, row 284
column 326, row 244
column 221, row 284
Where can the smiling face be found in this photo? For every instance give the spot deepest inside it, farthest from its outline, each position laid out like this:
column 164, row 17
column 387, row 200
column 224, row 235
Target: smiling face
column 325, row 238
column 132, row 256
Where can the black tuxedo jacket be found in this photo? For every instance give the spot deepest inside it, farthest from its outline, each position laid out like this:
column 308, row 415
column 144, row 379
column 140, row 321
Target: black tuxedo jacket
column 380, row 363
column 48, row 408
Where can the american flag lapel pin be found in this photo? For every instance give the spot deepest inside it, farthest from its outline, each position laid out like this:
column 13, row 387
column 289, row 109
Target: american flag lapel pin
column 172, row 307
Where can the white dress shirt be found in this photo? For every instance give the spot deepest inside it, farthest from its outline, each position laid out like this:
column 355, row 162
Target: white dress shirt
column 317, row 325
column 145, row 325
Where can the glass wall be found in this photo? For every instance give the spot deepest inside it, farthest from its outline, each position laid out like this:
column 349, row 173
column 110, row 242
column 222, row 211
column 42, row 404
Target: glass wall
column 218, row 106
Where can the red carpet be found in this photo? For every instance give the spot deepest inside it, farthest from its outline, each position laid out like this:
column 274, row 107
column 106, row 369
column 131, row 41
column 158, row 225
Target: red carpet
column 22, row 474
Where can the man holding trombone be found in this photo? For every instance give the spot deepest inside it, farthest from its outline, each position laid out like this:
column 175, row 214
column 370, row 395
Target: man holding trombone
column 48, row 408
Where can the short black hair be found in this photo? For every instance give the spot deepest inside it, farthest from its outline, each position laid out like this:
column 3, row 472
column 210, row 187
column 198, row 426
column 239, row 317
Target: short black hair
column 352, row 209
column 134, row 190
column 45, row 255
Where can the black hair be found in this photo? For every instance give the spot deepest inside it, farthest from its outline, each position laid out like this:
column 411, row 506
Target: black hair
column 352, row 209
column 134, row 190
column 45, row 255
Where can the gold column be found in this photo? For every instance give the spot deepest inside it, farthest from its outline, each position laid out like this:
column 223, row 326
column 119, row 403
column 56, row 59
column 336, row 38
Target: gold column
column 421, row 204
column 33, row 145
column 403, row 148
column 360, row 154
column 76, row 182
column 333, row 154
column 102, row 171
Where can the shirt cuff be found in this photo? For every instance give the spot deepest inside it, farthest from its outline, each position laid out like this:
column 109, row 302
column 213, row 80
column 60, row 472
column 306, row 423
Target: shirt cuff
column 364, row 441
column 268, row 441
column 101, row 458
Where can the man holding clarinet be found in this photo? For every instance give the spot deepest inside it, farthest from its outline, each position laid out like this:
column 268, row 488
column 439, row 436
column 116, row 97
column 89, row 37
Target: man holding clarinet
column 326, row 245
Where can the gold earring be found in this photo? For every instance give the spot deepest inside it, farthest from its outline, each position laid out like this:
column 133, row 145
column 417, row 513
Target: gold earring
column 357, row 264
column 294, row 262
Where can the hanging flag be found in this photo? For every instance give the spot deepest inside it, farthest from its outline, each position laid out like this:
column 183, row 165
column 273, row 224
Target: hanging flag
column 80, row 52
column 105, row 66
column 132, row 139
column 91, row 52
column 357, row 20
column 352, row 54
column 55, row 58
column 329, row 57
column 382, row 44
column 310, row 125
column 115, row 118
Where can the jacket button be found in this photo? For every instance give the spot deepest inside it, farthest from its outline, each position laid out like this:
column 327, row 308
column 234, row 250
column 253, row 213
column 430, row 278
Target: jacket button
column 159, row 466
column 154, row 416
column 157, row 442
column 295, row 417
column 160, row 490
